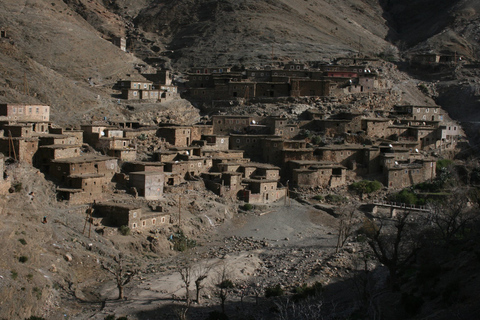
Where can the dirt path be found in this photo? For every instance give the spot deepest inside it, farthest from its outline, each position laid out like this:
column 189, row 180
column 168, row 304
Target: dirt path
column 265, row 246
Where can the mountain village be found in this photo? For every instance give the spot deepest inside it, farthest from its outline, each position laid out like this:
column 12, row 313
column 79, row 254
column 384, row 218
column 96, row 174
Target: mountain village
column 249, row 158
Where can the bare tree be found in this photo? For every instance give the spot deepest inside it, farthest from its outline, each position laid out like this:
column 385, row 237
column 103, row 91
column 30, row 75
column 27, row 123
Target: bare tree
column 394, row 246
column 451, row 216
column 223, row 286
column 185, row 268
column 192, row 271
column 310, row 309
column 122, row 273
column 200, row 274
column 345, row 226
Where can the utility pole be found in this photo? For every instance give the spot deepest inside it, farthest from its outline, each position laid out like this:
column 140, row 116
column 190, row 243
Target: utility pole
column 11, row 146
column 179, row 211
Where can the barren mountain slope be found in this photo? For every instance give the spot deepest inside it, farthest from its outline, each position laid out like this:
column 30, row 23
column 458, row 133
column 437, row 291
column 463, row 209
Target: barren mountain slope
column 49, row 56
column 248, row 31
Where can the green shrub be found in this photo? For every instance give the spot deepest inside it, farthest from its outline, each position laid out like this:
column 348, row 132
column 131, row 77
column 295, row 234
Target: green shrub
column 17, row 186
column 247, row 207
column 366, row 186
column 23, row 259
column 35, row 318
column 408, row 197
column 22, row 241
column 181, row 242
column 110, row 317
column 29, row 276
column 317, row 139
column 422, row 87
column 318, row 197
column 14, row 274
column 335, row 198
column 275, row 291
column 125, row 230
column 368, row 229
column 38, row 292
column 443, row 163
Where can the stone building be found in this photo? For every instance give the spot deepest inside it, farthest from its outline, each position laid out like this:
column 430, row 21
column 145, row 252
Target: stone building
column 131, row 215
column 262, row 191
column 403, row 175
column 306, row 174
column 22, row 112
column 178, row 136
column 149, row 184
column 120, row 42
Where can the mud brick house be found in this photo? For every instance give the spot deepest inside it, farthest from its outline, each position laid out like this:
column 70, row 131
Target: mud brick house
column 178, row 136
column 363, row 159
column 250, row 144
column 426, row 136
column 317, row 173
column 134, row 85
column 133, row 166
column 149, row 184
column 124, row 154
column 199, row 130
column 117, row 146
column 272, row 150
column 254, row 170
column 21, row 112
column 376, row 127
column 173, row 179
column 424, row 113
column 278, row 151
column 145, row 131
column 165, row 155
column 162, row 77
column 131, row 215
column 403, row 175
column 340, row 123
column 78, row 134
column 224, row 184
column 120, row 42
column 272, row 89
column 46, row 139
column 82, row 188
column 153, row 94
column 18, row 130
column 262, row 191
column 107, row 143
column 280, row 126
column 308, row 88
column 448, row 135
column 93, row 132
column 225, row 124
column 84, row 178
column 194, row 166
column 86, row 164
column 53, row 152
column 21, row 148
column 213, row 142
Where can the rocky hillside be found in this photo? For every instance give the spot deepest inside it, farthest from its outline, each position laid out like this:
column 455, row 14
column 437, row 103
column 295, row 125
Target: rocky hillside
column 59, row 52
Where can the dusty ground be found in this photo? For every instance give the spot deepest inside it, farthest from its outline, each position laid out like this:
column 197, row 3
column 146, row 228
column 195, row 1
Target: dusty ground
column 264, row 246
